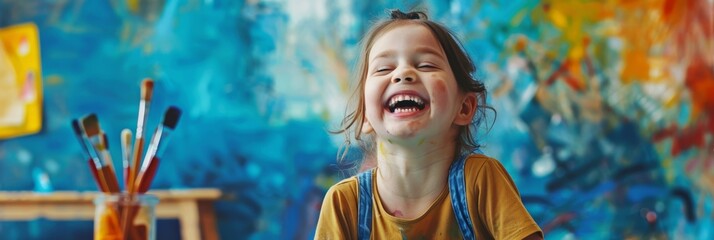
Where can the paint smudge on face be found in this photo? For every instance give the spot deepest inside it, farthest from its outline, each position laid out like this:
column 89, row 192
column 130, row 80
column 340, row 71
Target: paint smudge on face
column 414, row 126
column 421, row 141
column 382, row 152
column 440, row 91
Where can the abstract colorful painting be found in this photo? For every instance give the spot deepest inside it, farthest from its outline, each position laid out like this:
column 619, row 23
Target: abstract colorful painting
column 604, row 109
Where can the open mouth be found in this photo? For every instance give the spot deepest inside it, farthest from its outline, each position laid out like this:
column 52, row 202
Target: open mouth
column 405, row 103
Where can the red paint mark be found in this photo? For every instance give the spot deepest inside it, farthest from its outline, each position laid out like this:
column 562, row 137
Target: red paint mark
column 559, row 220
column 667, row 8
column 414, row 125
column 397, row 213
column 685, row 139
column 563, row 73
column 554, row 76
column 651, row 217
column 699, row 79
column 690, row 138
column 440, row 88
column 664, row 133
column 573, row 82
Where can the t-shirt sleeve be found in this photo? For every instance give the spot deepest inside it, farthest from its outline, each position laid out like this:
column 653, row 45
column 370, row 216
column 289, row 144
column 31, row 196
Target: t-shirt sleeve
column 338, row 214
column 500, row 209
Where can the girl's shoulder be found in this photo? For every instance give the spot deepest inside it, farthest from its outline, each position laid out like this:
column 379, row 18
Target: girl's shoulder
column 338, row 214
column 346, row 189
column 479, row 166
column 478, row 160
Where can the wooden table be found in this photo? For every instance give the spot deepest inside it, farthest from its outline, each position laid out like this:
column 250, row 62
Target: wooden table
column 192, row 207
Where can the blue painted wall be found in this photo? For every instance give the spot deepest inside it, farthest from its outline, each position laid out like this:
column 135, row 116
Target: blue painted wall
column 605, row 118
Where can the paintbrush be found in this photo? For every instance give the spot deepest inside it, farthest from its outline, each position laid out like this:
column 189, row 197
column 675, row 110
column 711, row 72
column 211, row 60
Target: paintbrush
column 93, row 131
column 94, row 162
column 147, row 88
column 101, row 173
column 156, row 147
column 126, row 154
column 151, row 161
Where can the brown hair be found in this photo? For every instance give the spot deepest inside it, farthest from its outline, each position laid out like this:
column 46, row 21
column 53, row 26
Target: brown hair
column 459, row 61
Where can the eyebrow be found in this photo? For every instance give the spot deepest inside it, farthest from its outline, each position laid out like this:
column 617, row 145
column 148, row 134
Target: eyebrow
column 385, row 54
column 430, row 50
column 420, row 51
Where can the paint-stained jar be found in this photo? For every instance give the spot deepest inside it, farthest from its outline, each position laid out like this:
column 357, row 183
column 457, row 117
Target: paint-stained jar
column 119, row 215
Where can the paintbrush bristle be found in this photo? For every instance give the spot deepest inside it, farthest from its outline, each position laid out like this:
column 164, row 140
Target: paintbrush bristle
column 126, row 137
column 171, row 117
column 91, row 125
column 147, row 89
column 79, row 133
column 76, row 127
column 105, row 140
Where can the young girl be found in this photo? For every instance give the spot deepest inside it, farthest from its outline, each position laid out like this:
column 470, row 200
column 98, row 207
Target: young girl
column 416, row 100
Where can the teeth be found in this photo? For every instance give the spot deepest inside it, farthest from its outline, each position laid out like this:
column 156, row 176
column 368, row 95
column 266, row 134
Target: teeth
column 399, row 98
column 403, row 97
column 402, row 110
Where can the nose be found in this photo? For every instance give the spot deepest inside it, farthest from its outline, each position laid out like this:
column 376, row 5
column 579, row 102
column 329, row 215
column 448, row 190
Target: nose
column 405, row 74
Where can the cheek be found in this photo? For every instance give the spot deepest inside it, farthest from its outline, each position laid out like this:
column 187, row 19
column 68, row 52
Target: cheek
column 441, row 93
column 372, row 98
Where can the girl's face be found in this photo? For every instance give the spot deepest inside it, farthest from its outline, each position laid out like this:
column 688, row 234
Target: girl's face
column 410, row 90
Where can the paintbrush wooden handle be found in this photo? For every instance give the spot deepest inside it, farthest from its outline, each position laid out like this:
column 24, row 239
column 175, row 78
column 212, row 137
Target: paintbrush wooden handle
column 127, row 171
column 110, row 178
column 136, row 163
column 131, row 231
column 147, row 176
column 100, row 181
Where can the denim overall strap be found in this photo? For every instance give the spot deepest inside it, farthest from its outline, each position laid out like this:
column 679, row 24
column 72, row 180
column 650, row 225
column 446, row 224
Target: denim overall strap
column 457, row 189
column 364, row 209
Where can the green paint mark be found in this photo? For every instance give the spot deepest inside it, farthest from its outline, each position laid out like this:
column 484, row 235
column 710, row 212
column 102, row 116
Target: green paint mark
column 422, row 141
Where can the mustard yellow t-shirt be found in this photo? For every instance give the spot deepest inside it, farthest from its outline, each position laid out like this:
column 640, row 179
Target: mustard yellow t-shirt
column 494, row 204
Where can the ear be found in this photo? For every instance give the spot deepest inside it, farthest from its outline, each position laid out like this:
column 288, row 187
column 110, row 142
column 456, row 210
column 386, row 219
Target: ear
column 468, row 108
column 366, row 127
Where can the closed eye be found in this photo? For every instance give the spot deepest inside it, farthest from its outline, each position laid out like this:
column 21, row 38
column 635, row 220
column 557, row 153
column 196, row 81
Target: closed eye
column 382, row 70
column 426, row 66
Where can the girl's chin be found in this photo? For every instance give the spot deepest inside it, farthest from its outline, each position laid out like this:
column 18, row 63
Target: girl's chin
column 403, row 131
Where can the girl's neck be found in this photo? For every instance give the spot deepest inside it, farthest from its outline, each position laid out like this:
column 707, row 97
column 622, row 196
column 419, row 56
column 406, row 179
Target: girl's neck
column 410, row 178
column 404, row 161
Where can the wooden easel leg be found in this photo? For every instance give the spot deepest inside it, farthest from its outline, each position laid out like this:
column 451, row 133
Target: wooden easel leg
column 208, row 220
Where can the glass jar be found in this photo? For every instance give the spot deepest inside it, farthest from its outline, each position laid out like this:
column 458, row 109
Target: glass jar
column 117, row 215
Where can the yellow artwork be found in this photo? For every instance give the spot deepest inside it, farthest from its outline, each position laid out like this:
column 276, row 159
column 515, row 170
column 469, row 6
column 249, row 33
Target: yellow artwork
column 20, row 81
